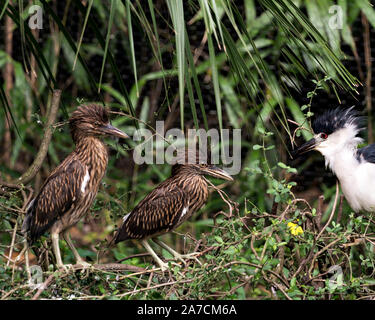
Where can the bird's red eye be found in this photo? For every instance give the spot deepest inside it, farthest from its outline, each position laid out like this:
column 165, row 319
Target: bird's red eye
column 323, row 136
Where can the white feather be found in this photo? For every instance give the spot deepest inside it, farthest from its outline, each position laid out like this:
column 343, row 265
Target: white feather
column 184, row 211
column 125, row 217
column 86, row 179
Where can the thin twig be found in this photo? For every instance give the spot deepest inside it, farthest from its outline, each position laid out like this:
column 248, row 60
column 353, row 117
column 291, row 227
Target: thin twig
column 332, row 212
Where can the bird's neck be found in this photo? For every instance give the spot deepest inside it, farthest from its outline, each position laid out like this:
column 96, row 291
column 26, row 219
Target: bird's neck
column 342, row 160
column 195, row 185
column 195, row 188
column 190, row 179
column 93, row 153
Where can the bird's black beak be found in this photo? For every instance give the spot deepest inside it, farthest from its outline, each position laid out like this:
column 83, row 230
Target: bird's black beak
column 113, row 131
column 218, row 173
column 306, row 147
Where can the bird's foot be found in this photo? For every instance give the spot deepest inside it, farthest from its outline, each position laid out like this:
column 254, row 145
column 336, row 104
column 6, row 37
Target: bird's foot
column 86, row 267
column 65, row 267
column 163, row 266
column 84, row 264
column 188, row 256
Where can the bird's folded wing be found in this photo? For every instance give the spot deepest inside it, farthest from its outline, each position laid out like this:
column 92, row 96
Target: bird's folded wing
column 56, row 197
column 158, row 212
column 367, row 153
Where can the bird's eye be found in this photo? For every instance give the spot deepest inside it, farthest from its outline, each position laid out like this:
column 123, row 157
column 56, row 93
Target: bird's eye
column 323, row 135
column 96, row 123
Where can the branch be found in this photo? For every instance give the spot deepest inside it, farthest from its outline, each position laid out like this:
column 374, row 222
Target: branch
column 77, row 267
column 36, row 165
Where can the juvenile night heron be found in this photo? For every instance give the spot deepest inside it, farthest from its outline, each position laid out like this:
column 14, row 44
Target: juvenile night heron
column 168, row 206
column 335, row 136
column 71, row 188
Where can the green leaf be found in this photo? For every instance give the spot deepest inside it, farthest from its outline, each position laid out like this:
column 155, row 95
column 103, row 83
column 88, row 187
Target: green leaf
column 176, row 11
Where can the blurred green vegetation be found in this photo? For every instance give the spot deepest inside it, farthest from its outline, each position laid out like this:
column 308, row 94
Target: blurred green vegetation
column 194, row 64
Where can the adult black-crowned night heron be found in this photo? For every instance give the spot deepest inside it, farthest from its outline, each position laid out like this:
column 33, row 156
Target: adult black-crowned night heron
column 336, row 138
column 170, row 204
column 71, row 188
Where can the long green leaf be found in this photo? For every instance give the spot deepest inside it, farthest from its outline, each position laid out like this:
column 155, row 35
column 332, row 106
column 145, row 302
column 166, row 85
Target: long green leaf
column 83, row 31
column 131, row 41
column 110, row 22
column 176, row 11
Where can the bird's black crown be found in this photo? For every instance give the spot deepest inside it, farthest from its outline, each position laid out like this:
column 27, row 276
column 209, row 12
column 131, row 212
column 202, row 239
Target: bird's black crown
column 338, row 118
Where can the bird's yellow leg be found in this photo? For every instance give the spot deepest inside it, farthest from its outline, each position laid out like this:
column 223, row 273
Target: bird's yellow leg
column 177, row 255
column 26, row 247
column 56, row 251
column 78, row 258
column 25, row 250
column 163, row 266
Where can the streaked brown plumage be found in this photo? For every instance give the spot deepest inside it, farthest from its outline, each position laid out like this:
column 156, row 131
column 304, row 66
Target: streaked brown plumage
column 171, row 203
column 71, row 188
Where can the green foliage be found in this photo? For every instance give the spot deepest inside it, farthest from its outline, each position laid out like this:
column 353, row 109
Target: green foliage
column 253, row 254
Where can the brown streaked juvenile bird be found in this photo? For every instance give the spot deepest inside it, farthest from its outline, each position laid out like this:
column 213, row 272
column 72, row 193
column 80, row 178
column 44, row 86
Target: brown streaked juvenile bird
column 71, row 188
column 170, row 204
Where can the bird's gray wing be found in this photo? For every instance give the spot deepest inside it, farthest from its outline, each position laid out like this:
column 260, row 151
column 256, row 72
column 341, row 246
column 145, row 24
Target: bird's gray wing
column 158, row 212
column 56, row 197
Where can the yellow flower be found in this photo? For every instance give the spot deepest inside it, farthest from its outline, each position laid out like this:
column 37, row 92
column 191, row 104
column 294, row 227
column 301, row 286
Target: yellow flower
column 295, row 229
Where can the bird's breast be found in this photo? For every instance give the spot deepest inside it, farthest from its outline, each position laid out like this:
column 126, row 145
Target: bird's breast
column 94, row 157
column 357, row 186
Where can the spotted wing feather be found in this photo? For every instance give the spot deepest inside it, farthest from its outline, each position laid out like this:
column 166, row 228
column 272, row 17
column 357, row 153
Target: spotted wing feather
column 158, row 212
column 56, row 197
